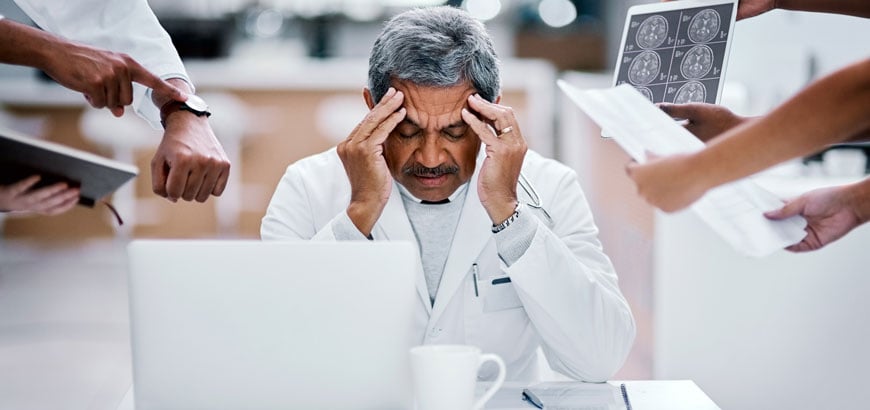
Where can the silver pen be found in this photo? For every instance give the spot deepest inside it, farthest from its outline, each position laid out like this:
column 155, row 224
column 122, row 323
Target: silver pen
column 474, row 275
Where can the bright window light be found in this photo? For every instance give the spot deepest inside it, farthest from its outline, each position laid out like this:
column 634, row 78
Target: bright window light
column 557, row 13
column 483, row 10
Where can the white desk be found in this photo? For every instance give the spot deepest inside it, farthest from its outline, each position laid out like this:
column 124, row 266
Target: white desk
column 643, row 395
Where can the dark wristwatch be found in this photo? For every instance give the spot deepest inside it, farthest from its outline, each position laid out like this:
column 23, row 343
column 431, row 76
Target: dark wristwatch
column 194, row 104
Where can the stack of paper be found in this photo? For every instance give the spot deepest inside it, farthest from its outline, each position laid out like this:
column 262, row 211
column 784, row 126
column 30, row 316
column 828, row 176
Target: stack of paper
column 734, row 211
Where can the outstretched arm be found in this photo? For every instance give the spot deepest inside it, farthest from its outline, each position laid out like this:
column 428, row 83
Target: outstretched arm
column 858, row 8
column 751, row 8
column 104, row 77
column 832, row 109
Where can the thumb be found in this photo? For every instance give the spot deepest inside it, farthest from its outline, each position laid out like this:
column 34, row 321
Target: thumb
column 788, row 210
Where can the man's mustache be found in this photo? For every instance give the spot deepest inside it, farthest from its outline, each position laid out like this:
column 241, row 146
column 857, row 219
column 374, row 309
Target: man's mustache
column 421, row 171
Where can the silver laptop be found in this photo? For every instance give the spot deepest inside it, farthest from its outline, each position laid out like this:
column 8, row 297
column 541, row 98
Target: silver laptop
column 269, row 325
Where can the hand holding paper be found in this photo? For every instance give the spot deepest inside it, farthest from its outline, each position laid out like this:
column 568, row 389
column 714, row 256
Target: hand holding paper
column 735, row 211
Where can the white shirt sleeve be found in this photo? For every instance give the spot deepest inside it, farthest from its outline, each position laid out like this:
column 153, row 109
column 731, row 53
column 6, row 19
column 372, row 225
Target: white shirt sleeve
column 124, row 26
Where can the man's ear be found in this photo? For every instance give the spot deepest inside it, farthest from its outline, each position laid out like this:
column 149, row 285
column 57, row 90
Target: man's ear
column 497, row 99
column 367, row 95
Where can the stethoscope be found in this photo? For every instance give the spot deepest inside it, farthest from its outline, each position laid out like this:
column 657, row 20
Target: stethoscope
column 536, row 201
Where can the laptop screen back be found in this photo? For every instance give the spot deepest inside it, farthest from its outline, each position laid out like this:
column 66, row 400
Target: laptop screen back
column 262, row 325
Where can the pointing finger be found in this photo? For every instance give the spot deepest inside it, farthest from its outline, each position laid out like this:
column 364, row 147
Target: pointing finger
column 142, row 76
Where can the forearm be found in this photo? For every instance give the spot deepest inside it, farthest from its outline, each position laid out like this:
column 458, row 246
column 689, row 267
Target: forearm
column 25, row 45
column 860, row 8
column 831, row 110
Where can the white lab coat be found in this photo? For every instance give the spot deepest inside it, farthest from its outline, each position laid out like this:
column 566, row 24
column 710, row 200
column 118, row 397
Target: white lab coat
column 563, row 294
column 123, row 26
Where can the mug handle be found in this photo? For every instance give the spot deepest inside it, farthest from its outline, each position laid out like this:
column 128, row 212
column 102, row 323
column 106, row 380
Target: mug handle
column 502, row 370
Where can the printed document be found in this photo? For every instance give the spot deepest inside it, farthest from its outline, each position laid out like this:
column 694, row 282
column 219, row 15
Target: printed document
column 734, row 211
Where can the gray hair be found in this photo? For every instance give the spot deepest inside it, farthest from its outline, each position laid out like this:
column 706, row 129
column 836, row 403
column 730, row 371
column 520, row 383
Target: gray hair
column 437, row 47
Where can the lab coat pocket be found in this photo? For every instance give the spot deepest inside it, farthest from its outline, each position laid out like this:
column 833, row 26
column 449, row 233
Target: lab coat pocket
column 501, row 295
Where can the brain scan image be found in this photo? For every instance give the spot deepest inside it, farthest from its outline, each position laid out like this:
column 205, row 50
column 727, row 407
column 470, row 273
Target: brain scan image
column 691, row 92
column 704, row 26
column 697, row 62
column 644, row 68
column 652, row 32
column 646, row 93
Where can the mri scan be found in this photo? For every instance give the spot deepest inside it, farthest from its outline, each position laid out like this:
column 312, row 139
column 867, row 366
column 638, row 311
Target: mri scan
column 704, row 26
column 644, row 68
column 653, row 32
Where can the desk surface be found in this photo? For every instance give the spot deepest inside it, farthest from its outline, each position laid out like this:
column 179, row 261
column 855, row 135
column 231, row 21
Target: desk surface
column 643, row 395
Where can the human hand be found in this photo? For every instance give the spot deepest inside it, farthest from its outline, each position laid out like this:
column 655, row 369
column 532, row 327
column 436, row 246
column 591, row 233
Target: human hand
column 362, row 155
column 668, row 183
column 703, row 120
column 829, row 212
column 751, row 8
column 51, row 200
column 190, row 162
column 505, row 151
column 104, row 77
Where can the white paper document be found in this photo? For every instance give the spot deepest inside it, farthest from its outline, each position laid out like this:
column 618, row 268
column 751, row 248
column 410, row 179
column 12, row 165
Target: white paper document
column 734, row 211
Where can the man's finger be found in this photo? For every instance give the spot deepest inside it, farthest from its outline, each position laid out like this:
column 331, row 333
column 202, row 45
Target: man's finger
column 176, row 181
column 788, row 210
column 113, row 90
column 482, row 129
column 22, row 186
column 142, row 76
column 195, row 179
column 485, row 108
column 380, row 134
column 68, row 203
column 382, row 111
column 57, row 199
column 34, row 198
column 686, row 111
column 221, row 181
column 207, row 185
column 97, row 96
column 159, row 174
column 125, row 97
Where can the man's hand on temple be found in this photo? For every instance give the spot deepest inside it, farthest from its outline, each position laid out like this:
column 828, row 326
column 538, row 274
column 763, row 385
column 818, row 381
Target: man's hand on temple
column 505, row 150
column 362, row 154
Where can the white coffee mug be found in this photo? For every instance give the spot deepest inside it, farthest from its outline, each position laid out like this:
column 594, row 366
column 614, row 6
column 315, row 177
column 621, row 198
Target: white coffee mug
column 445, row 376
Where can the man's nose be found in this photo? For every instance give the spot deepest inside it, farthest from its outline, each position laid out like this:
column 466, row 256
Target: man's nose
column 430, row 154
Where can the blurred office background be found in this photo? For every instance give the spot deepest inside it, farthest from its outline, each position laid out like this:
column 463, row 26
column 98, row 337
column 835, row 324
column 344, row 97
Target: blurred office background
column 284, row 78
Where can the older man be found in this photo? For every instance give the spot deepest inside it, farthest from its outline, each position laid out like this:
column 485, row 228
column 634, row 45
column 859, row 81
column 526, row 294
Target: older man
column 510, row 258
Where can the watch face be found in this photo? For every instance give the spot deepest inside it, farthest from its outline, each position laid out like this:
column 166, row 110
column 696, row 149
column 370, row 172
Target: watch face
column 196, row 103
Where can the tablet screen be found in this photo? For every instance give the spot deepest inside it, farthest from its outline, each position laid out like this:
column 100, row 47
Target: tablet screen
column 677, row 51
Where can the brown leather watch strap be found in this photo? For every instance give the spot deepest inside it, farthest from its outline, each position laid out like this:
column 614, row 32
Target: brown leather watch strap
column 168, row 108
column 174, row 105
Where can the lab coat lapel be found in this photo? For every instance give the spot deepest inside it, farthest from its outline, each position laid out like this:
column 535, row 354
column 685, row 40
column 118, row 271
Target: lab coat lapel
column 472, row 234
column 395, row 226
